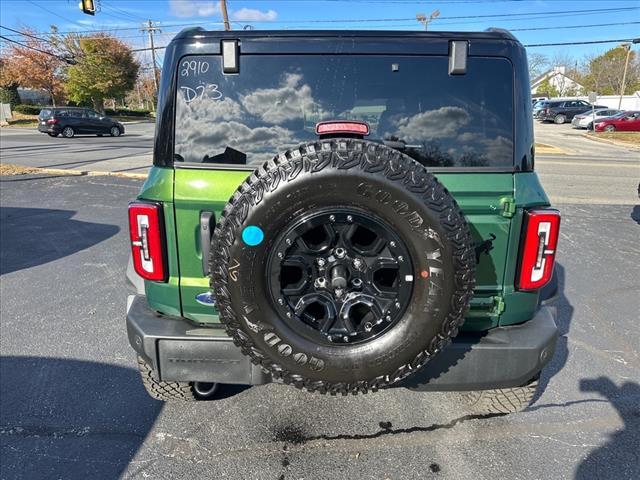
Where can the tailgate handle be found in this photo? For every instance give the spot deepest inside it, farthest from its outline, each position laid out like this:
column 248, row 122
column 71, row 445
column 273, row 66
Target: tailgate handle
column 207, row 224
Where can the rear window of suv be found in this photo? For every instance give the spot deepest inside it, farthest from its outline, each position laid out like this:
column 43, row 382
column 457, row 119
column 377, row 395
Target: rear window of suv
column 409, row 102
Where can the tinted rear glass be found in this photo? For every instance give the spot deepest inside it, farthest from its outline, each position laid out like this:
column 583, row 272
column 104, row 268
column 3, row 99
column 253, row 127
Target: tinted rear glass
column 410, row 102
column 44, row 113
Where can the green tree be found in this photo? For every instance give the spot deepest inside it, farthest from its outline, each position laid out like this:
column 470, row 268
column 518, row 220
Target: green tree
column 604, row 72
column 105, row 68
column 547, row 89
column 9, row 94
column 8, row 87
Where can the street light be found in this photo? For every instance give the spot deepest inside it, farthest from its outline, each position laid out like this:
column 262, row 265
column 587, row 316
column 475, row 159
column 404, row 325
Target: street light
column 627, row 46
column 422, row 18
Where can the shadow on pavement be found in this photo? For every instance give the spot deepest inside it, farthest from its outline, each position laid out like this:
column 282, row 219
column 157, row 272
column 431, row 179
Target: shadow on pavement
column 619, row 458
column 63, row 418
column 34, row 236
column 563, row 321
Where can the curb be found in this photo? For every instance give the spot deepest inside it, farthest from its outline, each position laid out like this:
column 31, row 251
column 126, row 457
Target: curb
column 93, row 173
column 78, row 173
column 544, row 148
column 610, row 142
column 135, row 122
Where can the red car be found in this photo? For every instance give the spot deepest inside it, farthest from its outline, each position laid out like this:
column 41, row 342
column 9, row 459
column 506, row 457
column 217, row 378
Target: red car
column 628, row 121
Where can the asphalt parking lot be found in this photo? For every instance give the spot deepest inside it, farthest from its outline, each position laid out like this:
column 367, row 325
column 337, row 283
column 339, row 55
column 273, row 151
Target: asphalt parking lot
column 72, row 405
column 128, row 153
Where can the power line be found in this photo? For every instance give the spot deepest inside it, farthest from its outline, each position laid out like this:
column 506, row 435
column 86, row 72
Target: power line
column 25, row 34
column 51, row 12
column 67, row 60
column 457, row 17
column 543, row 15
column 572, row 26
column 558, row 27
column 122, row 11
column 590, row 42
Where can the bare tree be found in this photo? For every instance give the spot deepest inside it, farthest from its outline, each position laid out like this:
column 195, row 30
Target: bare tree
column 538, row 63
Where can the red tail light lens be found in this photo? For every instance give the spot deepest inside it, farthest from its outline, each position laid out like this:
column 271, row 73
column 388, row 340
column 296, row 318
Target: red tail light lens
column 147, row 246
column 358, row 128
column 52, row 121
column 539, row 249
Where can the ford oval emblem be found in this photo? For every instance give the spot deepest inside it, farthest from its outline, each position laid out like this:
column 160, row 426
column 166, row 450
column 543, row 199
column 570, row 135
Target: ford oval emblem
column 206, row 298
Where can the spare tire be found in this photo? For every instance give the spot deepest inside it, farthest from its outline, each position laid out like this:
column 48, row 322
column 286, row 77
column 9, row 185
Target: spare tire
column 342, row 266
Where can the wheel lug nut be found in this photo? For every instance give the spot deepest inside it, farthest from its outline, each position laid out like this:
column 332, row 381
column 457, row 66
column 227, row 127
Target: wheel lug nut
column 321, row 262
column 345, row 338
column 289, row 241
column 356, row 282
column 400, row 258
column 368, row 327
column 397, row 304
column 392, row 244
column 332, row 218
column 320, row 282
column 288, row 314
column 280, row 301
column 349, row 218
column 280, row 255
column 340, row 252
column 388, row 318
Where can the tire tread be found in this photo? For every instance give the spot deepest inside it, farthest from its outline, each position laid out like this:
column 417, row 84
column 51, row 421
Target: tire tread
column 343, row 154
column 164, row 391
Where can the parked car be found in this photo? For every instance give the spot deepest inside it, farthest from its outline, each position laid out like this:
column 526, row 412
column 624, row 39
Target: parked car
column 585, row 120
column 627, row 121
column 537, row 107
column 559, row 111
column 336, row 236
column 69, row 121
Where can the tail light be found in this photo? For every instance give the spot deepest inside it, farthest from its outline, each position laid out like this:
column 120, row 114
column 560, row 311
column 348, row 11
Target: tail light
column 147, row 246
column 539, row 249
column 52, row 121
column 547, row 110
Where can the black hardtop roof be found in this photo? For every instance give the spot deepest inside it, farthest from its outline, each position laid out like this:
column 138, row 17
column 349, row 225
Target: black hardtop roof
column 199, row 32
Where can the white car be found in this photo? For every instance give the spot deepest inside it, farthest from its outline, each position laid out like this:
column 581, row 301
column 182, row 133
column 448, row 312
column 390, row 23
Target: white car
column 585, row 120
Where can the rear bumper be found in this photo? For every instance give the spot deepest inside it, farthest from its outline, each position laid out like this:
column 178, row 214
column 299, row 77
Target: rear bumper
column 503, row 357
column 49, row 128
column 180, row 351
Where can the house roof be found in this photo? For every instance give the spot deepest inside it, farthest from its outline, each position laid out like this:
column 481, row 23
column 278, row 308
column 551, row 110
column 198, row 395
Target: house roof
column 549, row 74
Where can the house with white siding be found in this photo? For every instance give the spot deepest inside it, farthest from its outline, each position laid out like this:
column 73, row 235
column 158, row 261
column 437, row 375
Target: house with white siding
column 558, row 79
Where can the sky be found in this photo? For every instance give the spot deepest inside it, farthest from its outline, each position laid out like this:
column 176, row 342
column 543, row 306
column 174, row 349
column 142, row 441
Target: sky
column 525, row 18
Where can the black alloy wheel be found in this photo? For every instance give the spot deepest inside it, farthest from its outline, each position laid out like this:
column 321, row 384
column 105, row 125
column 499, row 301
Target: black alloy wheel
column 340, row 276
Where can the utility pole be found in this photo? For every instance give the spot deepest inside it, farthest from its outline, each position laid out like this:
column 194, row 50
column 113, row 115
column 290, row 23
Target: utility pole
column 150, row 27
column 627, row 46
column 422, row 18
column 225, row 15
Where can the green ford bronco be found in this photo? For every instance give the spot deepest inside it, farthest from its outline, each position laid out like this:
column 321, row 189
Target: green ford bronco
column 343, row 212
